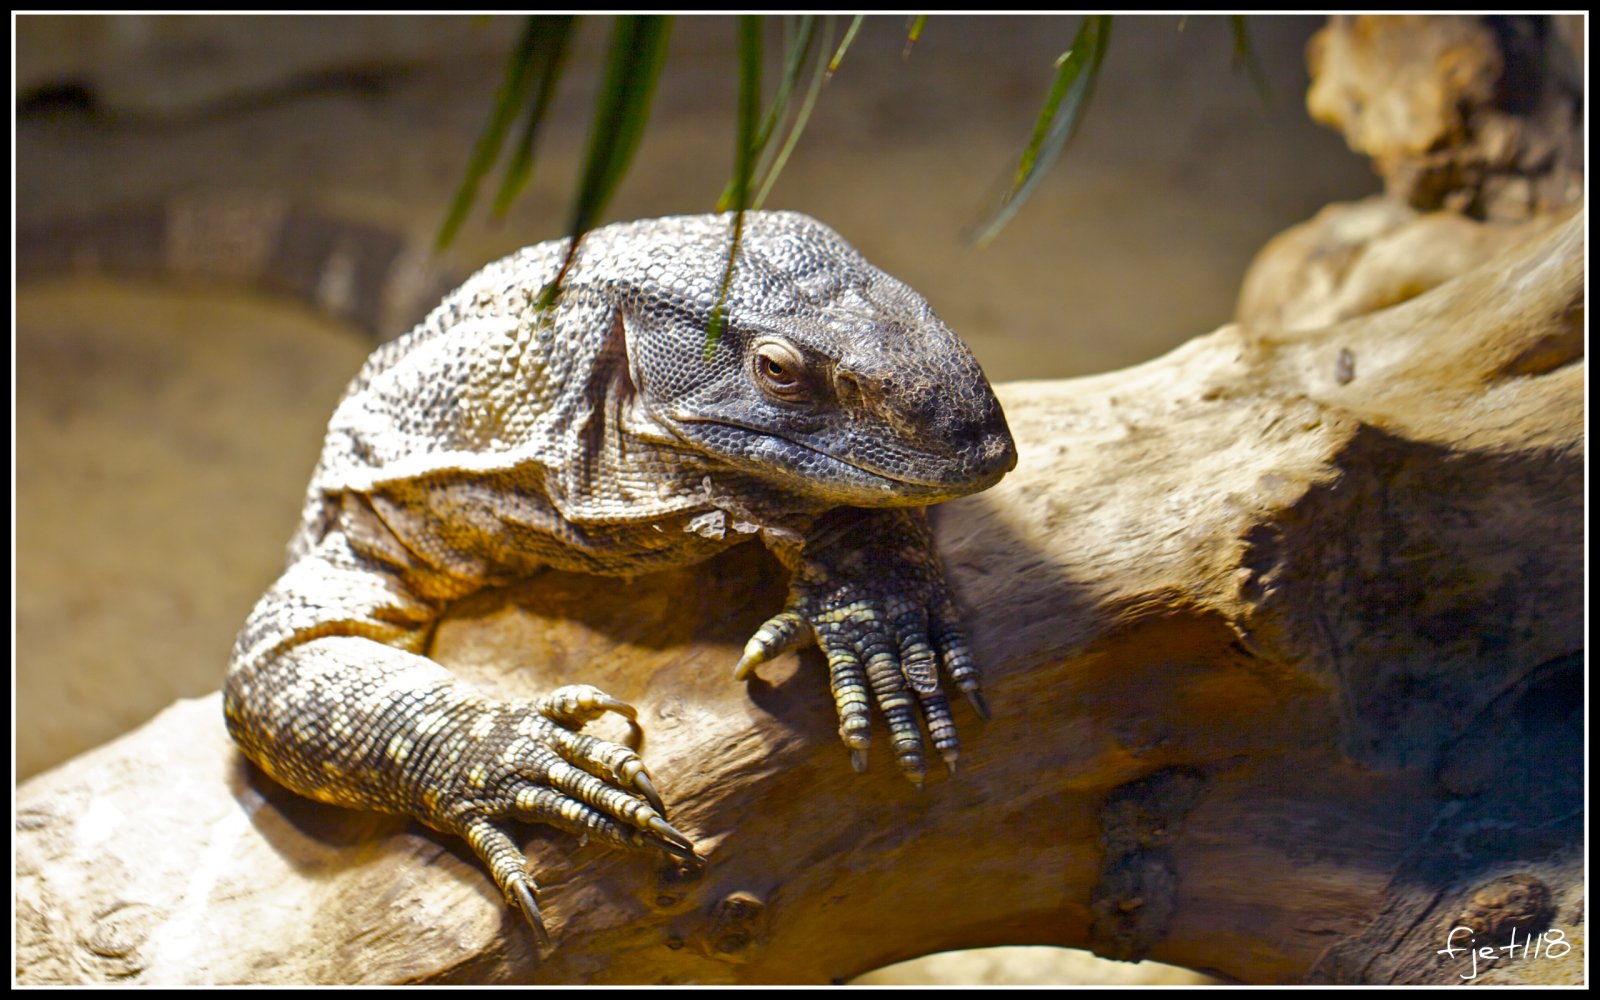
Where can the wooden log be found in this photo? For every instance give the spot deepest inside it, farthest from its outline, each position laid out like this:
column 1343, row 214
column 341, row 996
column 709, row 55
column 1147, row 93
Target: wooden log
column 1283, row 635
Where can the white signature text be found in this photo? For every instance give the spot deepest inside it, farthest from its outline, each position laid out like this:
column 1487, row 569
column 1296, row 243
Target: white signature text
column 1549, row 944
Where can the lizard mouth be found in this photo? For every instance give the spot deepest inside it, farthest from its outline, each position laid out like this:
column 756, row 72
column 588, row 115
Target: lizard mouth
column 792, row 458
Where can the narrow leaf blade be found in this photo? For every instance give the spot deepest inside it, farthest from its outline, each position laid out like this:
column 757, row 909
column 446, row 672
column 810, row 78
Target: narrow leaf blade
column 914, row 34
column 819, row 75
column 1244, row 56
column 513, row 94
column 844, row 44
column 638, row 48
column 748, row 134
column 763, row 151
column 548, row 62
column 1076, row 72
column 744, row 157
column 633, row 65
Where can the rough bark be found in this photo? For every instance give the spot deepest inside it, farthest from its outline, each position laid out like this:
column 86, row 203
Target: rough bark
column 1355, row 258
column 1477, row 115
column 1284, row 641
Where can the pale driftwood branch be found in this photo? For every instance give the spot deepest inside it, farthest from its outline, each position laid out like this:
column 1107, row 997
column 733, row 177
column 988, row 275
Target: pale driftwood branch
column 1283, row 636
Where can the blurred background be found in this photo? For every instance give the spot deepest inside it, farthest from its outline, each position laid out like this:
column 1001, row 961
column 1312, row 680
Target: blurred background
column 165, row 427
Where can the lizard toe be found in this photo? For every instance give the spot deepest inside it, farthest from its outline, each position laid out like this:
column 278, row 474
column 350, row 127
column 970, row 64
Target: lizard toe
column 643, row 829
column 956, row 660
column 898, row 705
column 864, row 668
column 575, row 705
column 509, row 867
column 781, row 632
column 847, row 678
column 612, row 762
column 919, row 664
column 607, row 778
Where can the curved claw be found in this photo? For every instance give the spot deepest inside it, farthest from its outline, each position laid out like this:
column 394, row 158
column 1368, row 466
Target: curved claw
column 530, row 911
column 674, row 838
column 754, row 656
column 622, row 708
column 979, row 703
column 575, row 705
column 782, row 631
column 645, row 787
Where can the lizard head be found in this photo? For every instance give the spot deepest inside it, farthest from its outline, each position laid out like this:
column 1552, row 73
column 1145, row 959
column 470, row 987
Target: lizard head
column 830, row 378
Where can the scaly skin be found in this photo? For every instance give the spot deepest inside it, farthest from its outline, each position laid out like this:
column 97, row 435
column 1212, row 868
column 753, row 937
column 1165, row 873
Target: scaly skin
column 599, row 436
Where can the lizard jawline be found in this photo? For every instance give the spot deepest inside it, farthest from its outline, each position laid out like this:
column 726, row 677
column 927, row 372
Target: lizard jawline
column 864, row 483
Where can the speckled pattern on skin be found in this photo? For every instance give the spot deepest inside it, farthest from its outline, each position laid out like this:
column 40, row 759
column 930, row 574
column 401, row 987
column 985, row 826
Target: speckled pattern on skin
column 600, row 436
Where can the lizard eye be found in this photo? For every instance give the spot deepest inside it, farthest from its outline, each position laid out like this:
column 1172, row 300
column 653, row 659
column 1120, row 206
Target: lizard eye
column 779, row 369
column 775, row 372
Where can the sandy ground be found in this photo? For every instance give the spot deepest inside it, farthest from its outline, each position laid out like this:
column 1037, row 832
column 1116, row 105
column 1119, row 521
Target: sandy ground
column 164, row 434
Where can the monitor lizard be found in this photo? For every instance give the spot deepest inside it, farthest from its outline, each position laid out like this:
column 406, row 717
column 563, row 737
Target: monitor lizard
column 606, row 433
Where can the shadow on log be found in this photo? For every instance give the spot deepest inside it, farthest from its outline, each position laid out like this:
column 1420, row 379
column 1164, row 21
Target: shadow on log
column 1283, row 639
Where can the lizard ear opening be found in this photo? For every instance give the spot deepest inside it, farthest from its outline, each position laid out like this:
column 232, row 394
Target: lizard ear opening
column 615, row 354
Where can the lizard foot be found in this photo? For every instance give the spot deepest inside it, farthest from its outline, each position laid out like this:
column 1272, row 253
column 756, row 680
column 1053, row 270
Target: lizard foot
column 870, row 592
column 507, row 763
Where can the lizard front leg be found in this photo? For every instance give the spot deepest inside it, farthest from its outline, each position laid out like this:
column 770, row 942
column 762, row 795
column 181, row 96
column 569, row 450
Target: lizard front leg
column 329, row 693
column 868, row 588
